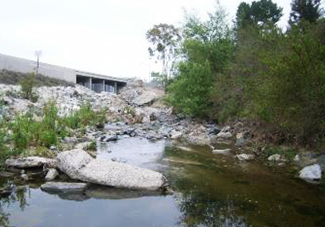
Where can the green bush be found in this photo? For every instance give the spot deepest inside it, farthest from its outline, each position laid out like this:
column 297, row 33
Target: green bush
column 85, row 116
column 4, row 150
column 190, row 91
column 28, row 83
column 92, row 146
column 28, row 132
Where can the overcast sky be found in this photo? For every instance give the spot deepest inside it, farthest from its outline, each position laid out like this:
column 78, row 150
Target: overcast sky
column 101, row 36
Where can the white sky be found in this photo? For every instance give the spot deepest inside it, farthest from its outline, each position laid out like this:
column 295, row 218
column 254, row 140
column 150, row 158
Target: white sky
column 101, row 36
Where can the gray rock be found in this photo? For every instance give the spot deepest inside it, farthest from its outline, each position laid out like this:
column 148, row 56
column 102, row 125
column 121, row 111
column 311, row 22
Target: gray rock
column 221, row 151
column 224, row 135
column 77, row 164
column 51, row 175
column 225, row 129
column 30, row 162
column 108, row 138
column 53, row 148
column 311, row 173
column 63, row 187
column 70, row 140
column 147, row 97
column 276, row 158
column 176, row 134
column 245, row 157
column 6, row 174
column 24, row 177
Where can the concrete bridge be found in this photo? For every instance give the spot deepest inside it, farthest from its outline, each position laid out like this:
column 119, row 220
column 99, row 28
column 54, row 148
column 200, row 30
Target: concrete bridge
column 96, row 82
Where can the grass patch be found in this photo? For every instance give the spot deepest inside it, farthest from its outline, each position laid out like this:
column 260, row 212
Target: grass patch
column 85, row 116
column 92, row 146
column 288, row 153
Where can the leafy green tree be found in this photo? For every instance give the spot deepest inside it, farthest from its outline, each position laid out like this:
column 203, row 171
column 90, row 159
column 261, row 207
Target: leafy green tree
column 304, row 10
column 206, row 52
column 164, row 39
column 190, row 92
column 288, row 89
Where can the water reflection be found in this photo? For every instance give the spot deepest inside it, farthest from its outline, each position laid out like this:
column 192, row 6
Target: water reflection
column 18, row 196
column 210, row 190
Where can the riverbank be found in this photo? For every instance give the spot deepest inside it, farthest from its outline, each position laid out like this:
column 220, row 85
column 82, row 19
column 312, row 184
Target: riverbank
column 138, row 111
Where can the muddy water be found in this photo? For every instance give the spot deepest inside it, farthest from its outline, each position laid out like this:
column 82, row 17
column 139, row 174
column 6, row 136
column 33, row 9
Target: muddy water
column 210, row 190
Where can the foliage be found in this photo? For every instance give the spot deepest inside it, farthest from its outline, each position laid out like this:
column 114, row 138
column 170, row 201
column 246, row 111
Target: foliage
column 159, row 78
column 14, row 78
column 92, row 146
column 260, row 13
column 304, row 10
column 85, row 116
column 4, row 150
column 291, row 84
column 27, row 85
column 206, row 50
column 29, row 132
column 164, row 39
column 191, row 89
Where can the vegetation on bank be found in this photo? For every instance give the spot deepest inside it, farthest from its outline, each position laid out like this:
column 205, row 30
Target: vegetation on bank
column 28, row 131
column 252, row 70
column 15, row 78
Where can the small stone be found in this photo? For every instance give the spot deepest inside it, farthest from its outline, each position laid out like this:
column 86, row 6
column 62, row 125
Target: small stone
column 297, row 158
column 245, row 157
column 221, row 151
column 70, row 140
column 51, row 175
column 53, row 148
column 224, row 135
column 276, row 158
column 24, row 177
column 176, row 134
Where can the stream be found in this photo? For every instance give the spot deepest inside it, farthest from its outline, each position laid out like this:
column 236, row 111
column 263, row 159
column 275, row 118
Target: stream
column 209, row 190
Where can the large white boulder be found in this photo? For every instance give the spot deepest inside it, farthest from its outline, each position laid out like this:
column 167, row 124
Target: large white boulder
column 79, row 165
column 311, row 173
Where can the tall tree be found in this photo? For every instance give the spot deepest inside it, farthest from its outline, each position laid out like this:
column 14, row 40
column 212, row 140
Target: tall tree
column 261, row 13
column 164, row 39
column 304, row 10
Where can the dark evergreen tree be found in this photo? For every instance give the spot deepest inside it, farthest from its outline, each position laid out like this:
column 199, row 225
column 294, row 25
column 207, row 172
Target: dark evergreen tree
column 258, row 13
column 304, row 10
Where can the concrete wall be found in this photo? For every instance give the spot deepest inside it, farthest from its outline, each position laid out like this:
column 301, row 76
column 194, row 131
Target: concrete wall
column 27, row 66
column 96, row 82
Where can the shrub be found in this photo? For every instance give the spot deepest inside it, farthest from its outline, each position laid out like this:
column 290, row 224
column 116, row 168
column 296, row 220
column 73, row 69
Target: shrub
column 48, row 136
column 92, row 146
column 28, row 132
column 4, row 150
column 190, row 91
column 85, row 116
column 289, row 90
column 27, row 85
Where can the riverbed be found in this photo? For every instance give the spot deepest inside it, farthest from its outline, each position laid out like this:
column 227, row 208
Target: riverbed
column 208, row 190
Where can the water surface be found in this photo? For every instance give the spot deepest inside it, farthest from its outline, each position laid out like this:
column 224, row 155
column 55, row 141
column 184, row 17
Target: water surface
column 210, row 190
